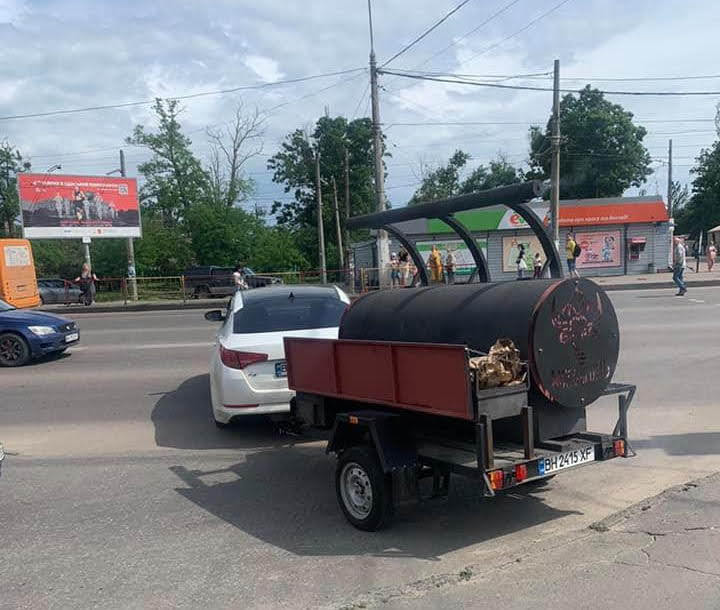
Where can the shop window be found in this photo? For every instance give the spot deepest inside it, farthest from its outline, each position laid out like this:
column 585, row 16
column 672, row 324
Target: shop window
column 636, row 246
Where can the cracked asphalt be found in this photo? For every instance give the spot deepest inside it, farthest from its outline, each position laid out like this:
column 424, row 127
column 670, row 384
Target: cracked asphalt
column 119, row 492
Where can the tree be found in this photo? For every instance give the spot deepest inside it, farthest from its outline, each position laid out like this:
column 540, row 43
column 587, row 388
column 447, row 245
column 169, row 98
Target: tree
column 702, row 212
column 601, row 153
column 232, row 148
column 680, row 195
column 441, row 182
column 174, row 177
column 293, row 166
column 11, row 163
column 445, row 180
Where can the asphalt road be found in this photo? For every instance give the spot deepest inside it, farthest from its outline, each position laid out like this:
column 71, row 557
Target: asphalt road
column 119, row 492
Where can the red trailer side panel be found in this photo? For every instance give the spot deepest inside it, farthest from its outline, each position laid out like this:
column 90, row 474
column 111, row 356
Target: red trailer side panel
column 426, row 377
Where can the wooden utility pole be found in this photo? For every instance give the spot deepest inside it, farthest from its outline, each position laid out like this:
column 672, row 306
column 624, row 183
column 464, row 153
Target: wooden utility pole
column 341, row 254
column 321, row 232
column 383, row 248
column 555, row 160
column 346, row 240
column 669, row 192
column 130, row 245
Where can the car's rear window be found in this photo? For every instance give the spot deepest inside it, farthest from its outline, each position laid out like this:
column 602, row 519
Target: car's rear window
column 282, row 313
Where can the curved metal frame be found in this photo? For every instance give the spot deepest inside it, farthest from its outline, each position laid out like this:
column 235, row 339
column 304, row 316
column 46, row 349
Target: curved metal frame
column 552, row 257
column 481, row 266
column 412, row 251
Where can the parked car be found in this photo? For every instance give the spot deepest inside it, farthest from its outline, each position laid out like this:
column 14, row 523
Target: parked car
column 247, row 368
column 211, row 281
column 56, row 290
column 27, row 334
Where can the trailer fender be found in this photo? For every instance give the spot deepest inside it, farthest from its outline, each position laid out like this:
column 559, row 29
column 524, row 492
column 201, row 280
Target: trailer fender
column 395, row 448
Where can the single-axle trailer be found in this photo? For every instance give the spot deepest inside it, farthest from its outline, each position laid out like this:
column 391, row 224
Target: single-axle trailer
column 400, row 411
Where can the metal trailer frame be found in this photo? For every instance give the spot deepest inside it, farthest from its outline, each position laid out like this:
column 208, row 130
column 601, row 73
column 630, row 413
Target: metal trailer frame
column 514, row 197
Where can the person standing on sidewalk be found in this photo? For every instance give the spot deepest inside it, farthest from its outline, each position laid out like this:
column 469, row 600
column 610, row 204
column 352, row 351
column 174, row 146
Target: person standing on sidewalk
column 571, row 248
column 520, row 262
column 436, row 266
column 679, row 265
column 537, row 266
column 450, row 267
column 711, row 256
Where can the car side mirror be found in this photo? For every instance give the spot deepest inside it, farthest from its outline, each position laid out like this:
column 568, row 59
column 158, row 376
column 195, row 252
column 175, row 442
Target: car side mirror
column 215, row 315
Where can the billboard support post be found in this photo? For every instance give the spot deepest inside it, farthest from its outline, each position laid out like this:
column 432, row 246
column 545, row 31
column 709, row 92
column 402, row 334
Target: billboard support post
column 130, row 245
column 86, row 250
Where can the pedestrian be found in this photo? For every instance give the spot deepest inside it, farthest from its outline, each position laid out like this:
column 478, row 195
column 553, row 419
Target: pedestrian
column 711, row 256
column 239, row 278
column 403, row 259
column 537, row 266
column 573, row 251
column 679, row 265
column 435, row 264
column 449, row 266
column 394, row 271
column 520, row 261
column 86, row 280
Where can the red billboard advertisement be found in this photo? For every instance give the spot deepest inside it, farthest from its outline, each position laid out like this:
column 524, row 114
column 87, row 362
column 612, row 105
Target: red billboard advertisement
column 57, row 206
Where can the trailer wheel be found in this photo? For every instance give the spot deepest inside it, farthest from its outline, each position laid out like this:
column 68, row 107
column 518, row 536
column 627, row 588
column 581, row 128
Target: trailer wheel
column 363, row 490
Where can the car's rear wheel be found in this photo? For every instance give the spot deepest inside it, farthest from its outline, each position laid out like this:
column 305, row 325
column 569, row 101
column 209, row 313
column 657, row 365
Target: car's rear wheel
column 14, row 350
column 202, row 292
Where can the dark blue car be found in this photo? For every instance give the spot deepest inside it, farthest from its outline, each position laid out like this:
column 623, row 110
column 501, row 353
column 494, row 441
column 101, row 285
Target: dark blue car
column 27, row 334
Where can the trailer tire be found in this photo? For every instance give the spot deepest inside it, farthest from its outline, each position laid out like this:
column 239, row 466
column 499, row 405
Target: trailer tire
column 363, row 490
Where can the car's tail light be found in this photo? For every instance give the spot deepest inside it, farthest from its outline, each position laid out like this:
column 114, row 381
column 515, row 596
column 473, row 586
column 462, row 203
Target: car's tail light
column 497, row 479
column 521, row 472
column 239, row 360
column 619, row 447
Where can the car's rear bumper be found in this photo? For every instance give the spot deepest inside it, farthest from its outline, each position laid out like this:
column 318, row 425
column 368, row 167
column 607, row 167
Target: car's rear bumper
column 231, row 395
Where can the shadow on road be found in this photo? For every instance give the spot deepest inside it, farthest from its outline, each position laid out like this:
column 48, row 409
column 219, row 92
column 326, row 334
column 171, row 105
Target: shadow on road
column 183, row 419
column 694, row 443
column 286, row 497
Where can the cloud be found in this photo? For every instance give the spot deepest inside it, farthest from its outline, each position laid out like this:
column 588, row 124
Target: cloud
column 266, row 68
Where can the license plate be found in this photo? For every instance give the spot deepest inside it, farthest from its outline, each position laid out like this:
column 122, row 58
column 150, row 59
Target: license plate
column 281, row 369
column 568, row 459
column 72, row 337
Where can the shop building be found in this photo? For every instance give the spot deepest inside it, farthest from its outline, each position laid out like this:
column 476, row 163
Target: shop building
column 618, row 236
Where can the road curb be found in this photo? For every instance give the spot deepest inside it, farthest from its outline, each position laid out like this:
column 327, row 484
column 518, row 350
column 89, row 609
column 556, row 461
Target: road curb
column 658, row 285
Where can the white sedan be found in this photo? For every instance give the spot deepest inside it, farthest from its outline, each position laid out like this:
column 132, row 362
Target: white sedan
column 248, row 375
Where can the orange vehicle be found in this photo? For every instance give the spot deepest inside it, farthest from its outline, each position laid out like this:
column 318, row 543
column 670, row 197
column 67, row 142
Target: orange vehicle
column 18, row 282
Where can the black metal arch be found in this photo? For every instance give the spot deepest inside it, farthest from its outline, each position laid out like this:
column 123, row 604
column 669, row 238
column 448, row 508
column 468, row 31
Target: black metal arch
column 412, row 251
column 552, row 257
column 481, row 266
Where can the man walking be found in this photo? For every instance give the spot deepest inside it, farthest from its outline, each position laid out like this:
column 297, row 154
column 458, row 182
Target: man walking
column 679, row 265
column 571, row 248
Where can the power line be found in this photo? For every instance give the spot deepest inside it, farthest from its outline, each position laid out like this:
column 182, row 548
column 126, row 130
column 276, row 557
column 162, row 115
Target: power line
column 182, row 97
column 425, row 33
column 530, row 123
column 520, row 31
column 530, row 88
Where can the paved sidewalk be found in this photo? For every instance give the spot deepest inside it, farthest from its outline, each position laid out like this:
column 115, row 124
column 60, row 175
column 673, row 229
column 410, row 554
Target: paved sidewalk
column 661, row 553
column 658, row 280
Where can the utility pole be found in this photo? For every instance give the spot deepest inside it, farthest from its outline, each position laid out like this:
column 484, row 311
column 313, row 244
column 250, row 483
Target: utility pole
column 669, row 193
column 346, row 241
column 337, row 226
column 555, row 160
column 130, row 244
column 383, row 248
column 321, row 233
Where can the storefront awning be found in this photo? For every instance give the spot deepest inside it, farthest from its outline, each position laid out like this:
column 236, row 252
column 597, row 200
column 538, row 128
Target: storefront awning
column 715, row 230
column 637, row 240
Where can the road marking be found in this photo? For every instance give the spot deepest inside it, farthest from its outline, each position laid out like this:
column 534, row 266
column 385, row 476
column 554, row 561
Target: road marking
column 696, row 300
column 119, row 347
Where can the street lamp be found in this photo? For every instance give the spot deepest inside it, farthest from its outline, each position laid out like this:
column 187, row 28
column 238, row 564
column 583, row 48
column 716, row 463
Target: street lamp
column 115, row 171
column 52, row 168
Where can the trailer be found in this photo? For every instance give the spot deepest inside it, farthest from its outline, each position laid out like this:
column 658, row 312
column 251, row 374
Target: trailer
column 397, row 392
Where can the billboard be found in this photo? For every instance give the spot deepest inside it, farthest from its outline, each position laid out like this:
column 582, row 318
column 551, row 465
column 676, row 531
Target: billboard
column 511, row 248
column 463, row 259
column 57, row 206
column 601, row 249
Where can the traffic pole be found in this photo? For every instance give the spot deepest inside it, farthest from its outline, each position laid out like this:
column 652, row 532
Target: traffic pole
column 130, row 245
column 320, row 228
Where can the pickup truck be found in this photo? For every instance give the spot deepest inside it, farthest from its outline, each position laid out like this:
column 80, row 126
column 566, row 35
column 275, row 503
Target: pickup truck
column 211, row 281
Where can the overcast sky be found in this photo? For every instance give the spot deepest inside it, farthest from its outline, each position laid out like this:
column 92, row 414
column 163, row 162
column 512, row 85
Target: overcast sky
column 65, row 54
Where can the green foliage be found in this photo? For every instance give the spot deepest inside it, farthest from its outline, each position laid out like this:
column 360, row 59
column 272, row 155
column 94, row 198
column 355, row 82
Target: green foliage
column 11, row 163
column 601, row 153
column 277, row 250
column 163, row 250
column 703, row 210
column 174, row 177
column 294, row 167
column 445, row 181
column 58, row 257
